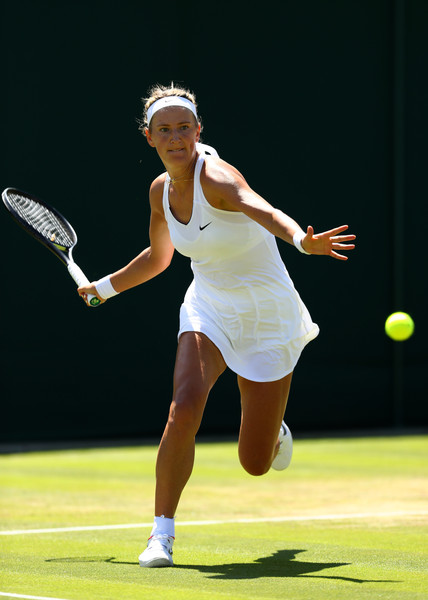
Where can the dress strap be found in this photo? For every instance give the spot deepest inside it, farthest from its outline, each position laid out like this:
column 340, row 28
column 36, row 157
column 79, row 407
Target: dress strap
column 205, row 149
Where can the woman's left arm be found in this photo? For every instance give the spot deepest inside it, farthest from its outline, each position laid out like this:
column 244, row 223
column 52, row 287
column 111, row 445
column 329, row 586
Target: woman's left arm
column 227, row 189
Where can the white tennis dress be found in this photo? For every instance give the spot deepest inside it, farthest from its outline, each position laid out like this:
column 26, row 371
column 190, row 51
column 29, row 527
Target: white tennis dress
column 241, row 296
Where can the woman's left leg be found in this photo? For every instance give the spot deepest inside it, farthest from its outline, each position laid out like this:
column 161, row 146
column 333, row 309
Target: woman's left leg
column 263, row 406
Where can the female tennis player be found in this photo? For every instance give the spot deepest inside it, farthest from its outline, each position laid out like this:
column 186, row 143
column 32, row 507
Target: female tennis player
column 241, row 310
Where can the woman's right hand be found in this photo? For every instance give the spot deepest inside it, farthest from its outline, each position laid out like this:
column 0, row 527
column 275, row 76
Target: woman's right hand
column 89, row 290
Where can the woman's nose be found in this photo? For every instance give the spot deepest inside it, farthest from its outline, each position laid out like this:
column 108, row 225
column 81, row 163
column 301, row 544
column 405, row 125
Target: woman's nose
column 174, row 135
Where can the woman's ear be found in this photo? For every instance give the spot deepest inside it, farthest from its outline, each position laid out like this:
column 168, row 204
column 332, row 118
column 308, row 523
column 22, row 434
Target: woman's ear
column 149, row 137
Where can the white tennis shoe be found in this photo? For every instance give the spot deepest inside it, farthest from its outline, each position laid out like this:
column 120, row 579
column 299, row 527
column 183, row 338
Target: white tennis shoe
column 283, row 458
column 158, row 552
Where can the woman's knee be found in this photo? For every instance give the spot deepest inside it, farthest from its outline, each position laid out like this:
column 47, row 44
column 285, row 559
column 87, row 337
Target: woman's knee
column 255, row 464
column 186, row 411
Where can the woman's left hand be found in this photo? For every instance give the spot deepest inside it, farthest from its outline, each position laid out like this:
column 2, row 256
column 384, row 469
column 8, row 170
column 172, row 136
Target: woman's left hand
column 328, row 242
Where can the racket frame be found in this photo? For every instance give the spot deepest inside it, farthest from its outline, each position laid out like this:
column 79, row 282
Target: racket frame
column 65, row 254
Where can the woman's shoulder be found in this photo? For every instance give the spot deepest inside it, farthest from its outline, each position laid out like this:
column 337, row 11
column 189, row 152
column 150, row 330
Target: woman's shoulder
column 221, row 183
column 218, row 172
column 158, row 183
column 156, row 191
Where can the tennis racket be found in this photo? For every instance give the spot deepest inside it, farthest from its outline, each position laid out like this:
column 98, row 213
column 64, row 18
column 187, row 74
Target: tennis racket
column 50, row 228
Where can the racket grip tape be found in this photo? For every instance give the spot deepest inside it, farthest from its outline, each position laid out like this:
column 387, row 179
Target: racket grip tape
column 81, row 279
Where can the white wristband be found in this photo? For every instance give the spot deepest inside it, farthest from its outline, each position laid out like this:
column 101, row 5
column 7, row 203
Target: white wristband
column 105, row 288
column 297, row 241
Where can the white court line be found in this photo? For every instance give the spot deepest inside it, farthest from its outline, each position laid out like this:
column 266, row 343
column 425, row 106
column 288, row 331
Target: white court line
column 8, row 595
column 334, row 517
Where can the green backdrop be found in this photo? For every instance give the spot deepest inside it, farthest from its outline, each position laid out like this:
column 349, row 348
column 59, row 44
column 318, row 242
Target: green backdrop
column 322, row 106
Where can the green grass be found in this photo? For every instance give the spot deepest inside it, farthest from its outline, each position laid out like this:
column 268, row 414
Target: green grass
column 365, row 557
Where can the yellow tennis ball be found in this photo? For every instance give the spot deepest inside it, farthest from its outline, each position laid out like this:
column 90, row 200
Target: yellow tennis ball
column 399, row 326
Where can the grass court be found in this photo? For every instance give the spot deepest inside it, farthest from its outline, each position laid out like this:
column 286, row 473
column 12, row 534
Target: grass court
column 347, row 520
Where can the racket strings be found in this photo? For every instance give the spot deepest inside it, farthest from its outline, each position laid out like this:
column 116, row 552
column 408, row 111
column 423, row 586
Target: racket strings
column 42, row 220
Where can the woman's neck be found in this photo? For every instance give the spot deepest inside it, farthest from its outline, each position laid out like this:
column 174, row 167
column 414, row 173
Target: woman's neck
column 185, row 175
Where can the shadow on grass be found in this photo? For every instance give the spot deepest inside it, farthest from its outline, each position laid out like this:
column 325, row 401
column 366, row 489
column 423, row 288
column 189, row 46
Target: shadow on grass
column 280, row 564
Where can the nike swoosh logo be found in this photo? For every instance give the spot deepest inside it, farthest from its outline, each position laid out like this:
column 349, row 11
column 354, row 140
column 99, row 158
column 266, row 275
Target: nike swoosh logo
column 203, row 227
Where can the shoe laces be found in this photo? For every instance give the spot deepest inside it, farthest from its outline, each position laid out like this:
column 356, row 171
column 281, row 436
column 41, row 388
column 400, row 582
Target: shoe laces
column 163, row 538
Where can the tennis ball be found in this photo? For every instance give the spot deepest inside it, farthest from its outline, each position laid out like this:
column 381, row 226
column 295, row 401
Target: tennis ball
column 399, row 326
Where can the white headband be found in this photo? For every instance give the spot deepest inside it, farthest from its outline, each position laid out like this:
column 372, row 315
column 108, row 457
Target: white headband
column 170, row 101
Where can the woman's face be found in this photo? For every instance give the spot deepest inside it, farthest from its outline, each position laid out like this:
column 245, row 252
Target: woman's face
column 174, row 133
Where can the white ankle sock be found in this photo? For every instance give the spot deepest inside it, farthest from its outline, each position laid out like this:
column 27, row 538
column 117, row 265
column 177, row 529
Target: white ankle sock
column 163, row 525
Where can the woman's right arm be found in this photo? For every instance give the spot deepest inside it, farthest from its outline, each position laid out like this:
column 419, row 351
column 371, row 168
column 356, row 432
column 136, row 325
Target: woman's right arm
column 153, row 260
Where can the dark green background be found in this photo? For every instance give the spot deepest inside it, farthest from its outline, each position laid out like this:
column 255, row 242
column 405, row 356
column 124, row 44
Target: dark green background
column 322, row 106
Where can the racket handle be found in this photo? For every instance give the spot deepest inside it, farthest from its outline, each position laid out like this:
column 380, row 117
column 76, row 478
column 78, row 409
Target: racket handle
column 81, row 279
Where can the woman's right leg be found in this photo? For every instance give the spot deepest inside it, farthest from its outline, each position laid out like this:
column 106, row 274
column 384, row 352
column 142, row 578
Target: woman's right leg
column 198, row 365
